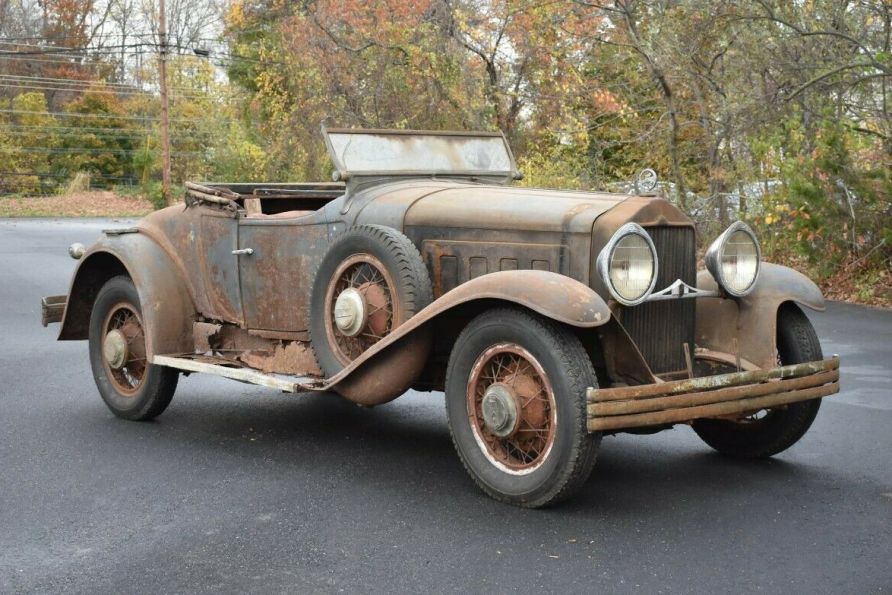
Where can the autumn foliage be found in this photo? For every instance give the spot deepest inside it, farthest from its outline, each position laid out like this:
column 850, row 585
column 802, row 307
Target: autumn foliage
column 769, row 111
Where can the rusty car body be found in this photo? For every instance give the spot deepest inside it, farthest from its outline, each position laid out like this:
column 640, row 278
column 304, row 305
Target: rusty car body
column 422, row 266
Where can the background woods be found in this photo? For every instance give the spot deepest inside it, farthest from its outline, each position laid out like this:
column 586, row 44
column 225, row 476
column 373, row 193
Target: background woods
column 772, row 111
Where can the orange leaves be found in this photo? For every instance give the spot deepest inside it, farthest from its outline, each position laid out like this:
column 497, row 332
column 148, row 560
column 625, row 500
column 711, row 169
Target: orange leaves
column 67, row 21
column 605, row 101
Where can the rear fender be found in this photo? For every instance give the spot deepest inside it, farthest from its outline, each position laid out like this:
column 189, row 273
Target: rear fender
column 748, row 326
column 167, row 308
column 388, row 368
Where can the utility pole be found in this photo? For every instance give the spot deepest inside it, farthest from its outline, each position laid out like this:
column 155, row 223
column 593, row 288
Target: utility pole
column 165, row 123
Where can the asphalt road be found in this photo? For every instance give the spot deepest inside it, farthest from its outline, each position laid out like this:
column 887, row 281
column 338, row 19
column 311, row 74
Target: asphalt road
column 237, row 488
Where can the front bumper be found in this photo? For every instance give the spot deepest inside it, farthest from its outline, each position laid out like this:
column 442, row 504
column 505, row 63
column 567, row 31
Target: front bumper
column 725, row 395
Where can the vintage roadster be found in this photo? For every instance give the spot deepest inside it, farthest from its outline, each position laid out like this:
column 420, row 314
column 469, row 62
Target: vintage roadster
column 548, row 317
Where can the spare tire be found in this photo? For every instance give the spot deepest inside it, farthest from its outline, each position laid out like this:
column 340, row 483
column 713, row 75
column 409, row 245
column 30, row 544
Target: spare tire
column 370, row 282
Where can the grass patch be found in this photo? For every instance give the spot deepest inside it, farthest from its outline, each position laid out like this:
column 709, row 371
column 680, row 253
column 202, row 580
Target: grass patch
column 77, row 204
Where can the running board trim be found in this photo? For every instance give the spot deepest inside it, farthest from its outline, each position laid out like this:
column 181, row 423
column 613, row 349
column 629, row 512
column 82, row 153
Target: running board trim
column 241, row 374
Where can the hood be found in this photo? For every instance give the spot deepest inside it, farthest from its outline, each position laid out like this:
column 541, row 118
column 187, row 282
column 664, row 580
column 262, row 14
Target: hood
column 502, row 207
column 456, row 204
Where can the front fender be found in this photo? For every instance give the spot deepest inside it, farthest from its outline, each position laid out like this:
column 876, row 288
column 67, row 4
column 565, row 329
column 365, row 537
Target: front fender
column 167, row 308
column 389, row 367
column 748, row 326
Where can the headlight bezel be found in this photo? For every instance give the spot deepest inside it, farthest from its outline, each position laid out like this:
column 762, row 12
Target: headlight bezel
column 715, row 252
column 606, row 256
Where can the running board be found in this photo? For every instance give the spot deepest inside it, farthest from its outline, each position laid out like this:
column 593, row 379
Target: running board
column 247, row 375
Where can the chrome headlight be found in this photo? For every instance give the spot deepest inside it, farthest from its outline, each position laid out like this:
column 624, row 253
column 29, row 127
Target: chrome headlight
column 734, row 259
column 628, row 265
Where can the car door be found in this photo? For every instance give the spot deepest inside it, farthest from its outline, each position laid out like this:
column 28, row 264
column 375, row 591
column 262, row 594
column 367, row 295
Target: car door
column 279, row 258
column 219, row 265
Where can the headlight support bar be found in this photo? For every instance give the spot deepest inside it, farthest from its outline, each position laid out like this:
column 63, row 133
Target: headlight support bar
column 680, row 290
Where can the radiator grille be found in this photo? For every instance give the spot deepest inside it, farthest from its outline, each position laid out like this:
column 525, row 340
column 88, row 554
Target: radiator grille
column 660, row 328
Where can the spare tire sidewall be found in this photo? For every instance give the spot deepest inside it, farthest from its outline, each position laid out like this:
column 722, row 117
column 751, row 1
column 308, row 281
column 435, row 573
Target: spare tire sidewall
column 407, row 298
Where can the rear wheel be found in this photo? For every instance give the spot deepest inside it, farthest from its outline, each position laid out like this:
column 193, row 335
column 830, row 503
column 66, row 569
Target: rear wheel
column 515, row 401
column 770, row 431
column 131, row 387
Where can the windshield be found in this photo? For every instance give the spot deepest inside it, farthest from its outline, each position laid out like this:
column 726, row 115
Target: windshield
column 363, row 152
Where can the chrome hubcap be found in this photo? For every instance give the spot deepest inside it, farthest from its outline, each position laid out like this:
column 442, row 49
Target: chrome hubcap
column 350, row 312
column 499, row 406
column 115, row 349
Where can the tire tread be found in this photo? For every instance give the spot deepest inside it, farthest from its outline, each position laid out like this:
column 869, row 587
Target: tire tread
column 580, row 373
column 160, row 383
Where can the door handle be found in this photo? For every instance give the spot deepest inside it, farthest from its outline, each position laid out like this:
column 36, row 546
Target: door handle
column 246, row 251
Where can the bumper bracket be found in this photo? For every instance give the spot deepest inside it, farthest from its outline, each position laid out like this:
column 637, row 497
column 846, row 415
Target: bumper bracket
column 52, row 308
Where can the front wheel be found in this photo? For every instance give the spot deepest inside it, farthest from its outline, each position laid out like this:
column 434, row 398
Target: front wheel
column 770, row 431
column 515, row 402
column 131, row 387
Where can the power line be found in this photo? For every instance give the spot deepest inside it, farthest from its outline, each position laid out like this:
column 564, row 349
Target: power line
column 36, row 45
column 52, row 175
column 98, row 116
column 53, row 61
column 12, row 40
column 90, row 150
column 15, row 85
column 94, row 91
column 82, row 82
column 100, row 130
column 64, row 50
column 71, row 128
column 136, row 139
column 81, row 90
column 115, row 49
column 98, row 36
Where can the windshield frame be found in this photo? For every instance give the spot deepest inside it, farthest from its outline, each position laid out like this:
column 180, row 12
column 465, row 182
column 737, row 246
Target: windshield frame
column 343, row 173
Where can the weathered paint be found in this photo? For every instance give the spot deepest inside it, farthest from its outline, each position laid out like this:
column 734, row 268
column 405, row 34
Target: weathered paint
column 268, row 290
column 480, row 240
column 747, row 326
column 167, row 308
column 219, row 271
column 277, row 278
column 550, row 294
column 510, row 208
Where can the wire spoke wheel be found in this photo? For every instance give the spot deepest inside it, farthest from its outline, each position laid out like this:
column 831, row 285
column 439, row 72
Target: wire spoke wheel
column 131, row 386
column 124, row 348
column 511, row 408
column 373, row 309
column 515, row 402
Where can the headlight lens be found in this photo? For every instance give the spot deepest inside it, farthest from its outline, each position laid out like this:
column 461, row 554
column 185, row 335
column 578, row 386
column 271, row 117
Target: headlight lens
column 628, row 264
column 733, row 259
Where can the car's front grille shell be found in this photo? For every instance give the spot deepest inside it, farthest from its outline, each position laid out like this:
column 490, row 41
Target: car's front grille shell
column 661, row 328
